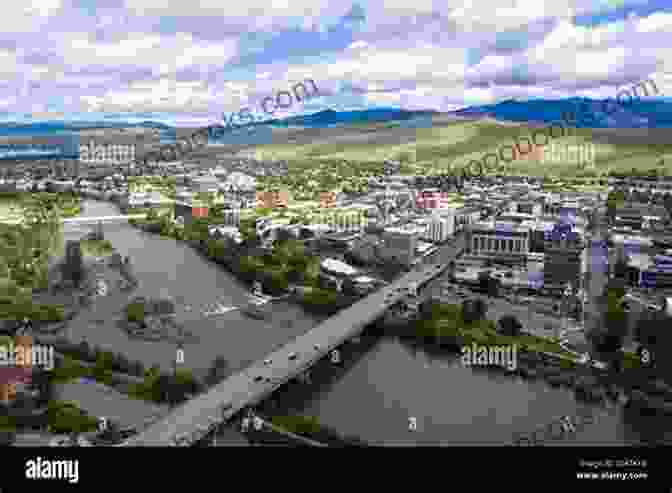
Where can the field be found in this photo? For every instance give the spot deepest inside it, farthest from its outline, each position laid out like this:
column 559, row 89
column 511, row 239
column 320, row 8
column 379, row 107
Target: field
column 452, row 144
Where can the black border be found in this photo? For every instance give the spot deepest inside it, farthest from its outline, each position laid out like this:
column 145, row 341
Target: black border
column 482, row 467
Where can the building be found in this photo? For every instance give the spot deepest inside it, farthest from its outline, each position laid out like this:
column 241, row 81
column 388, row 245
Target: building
column 563, row 263
column 272, row 199
column 328, row 199
column 466, row 216
column 225, row 232
column 440, row 228
column 635, row 215
column 399, row 245
column 507, row 242
column 531, row 207
column 205, row 184
column 432, row 199
column 189, row 209
column 647, row 271
column 231, row 216
column 12, row 378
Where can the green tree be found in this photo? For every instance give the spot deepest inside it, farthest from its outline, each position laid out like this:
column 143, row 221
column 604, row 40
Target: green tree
column 135, row 312
column 152, row 215
column 218, row 371
column 509, row 325
column 66, row 418
column 474, row 310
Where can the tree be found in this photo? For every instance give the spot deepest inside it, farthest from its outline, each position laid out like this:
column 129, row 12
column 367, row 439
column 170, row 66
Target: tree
column 42, row 383
column 488, row 284
column 74, row 263
column 615, row 322
column 509, row 325
column 474, row 310
column 218, row 371
column 620, row 268
column 152, row 215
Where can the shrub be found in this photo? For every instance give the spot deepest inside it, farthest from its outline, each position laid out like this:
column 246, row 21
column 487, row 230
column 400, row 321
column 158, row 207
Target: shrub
column 135, row 312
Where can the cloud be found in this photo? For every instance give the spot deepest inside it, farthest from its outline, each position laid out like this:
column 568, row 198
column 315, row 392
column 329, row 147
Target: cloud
column 213, row 57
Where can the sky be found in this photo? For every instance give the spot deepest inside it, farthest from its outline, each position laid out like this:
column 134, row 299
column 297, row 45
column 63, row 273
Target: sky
column 190, row 62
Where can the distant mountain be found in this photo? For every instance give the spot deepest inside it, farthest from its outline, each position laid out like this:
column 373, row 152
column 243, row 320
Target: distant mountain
column 331, row 117
column 591, row 113
column 63, row 127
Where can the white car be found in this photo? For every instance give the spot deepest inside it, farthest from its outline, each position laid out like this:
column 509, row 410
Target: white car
column 268, row 361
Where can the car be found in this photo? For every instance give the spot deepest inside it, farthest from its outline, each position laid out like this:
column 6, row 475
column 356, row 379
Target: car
column 258, row 378
column 292, row 356
column 268, row 361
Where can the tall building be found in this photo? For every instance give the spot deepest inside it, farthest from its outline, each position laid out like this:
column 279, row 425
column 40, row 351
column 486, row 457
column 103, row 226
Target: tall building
column 500, row 241
column 231, row 217
column 440, row 227
column 563, row 264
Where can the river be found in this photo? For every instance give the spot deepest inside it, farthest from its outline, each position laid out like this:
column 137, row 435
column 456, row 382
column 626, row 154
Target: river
column 378, row 392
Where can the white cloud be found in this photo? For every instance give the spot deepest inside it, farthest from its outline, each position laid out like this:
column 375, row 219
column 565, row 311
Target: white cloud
column 659, row 21
column 8, row 63
column 255, row 13
column 27, row 16
column 168, row 54
column 163, row 95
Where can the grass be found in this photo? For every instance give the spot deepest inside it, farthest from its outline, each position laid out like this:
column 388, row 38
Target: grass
column 439, row 147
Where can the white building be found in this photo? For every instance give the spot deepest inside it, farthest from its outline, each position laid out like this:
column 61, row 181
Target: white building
column 440, row 227
column 205, row 184
column 226, row 231
column 231, row 217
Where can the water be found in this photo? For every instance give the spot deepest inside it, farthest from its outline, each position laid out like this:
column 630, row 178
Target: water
column 169, row 268
column 374, row 396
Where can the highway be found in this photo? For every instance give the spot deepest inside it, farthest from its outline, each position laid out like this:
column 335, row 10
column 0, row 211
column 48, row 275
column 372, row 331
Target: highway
column 197, row 417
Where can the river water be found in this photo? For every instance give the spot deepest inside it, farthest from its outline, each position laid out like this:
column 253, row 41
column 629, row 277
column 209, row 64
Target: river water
column 375, row 396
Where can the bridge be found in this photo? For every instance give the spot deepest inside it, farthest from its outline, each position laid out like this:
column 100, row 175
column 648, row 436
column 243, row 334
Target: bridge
column 199, row 416
column 97, row 219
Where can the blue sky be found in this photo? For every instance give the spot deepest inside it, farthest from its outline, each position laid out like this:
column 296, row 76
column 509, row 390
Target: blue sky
column 187, row 62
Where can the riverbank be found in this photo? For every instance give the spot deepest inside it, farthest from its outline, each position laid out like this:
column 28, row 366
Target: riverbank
column 292, row 272
column 443, row 329
column 312, row 429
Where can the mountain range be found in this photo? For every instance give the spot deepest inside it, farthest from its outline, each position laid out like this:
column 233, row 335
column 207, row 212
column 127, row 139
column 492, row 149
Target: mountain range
column 639, row 113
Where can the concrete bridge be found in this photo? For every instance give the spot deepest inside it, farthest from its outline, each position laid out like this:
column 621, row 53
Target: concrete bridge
column 196, row 418
column 98, row 219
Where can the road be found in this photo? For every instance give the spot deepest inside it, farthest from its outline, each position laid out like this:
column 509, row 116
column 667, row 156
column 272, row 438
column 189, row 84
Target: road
column 94, row 219
column 197, row 417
